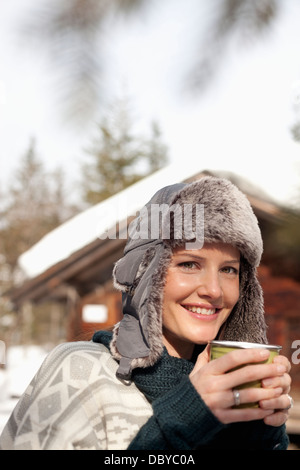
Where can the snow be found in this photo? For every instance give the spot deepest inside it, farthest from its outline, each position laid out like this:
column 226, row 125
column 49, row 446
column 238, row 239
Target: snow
column 22, row 363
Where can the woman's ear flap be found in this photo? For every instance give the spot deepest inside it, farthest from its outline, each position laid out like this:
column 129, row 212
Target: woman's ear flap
column 247, row 319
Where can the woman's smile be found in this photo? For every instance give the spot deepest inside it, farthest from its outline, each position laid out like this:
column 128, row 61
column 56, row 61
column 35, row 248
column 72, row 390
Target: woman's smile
column 200, row 310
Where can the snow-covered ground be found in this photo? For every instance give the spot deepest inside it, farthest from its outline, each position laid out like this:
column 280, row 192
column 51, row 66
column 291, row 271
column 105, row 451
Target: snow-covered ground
column 22, row 362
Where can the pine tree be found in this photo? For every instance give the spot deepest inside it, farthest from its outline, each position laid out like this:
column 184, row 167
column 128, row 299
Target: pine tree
column 34, row 205
column 120, row 157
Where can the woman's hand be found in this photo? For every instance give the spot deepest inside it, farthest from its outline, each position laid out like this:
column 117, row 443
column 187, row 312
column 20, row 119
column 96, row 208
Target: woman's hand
column 281, row 404
column 215, row 384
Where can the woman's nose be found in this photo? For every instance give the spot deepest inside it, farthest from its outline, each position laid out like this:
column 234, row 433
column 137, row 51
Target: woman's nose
column 210, row 286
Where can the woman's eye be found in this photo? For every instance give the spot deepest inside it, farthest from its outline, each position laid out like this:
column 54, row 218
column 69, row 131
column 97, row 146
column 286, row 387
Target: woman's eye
column 230, row 270
column 187, row 265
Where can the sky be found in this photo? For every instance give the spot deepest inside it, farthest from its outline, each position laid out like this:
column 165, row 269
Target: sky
column 240, row 124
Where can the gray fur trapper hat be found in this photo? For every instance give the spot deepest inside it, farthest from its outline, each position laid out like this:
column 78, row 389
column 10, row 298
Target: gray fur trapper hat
column 140, row 274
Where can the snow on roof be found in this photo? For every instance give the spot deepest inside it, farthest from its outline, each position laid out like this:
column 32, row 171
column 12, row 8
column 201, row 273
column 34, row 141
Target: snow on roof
column 87, row 226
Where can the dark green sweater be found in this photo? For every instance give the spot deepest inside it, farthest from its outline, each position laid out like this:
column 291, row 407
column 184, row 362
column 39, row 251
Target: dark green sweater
column 182, row 421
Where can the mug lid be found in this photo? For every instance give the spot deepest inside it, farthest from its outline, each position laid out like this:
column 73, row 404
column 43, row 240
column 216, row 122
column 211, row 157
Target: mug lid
column 244, row 345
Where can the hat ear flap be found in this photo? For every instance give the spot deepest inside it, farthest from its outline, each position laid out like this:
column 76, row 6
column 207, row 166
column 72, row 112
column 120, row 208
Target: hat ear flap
column 247, row 320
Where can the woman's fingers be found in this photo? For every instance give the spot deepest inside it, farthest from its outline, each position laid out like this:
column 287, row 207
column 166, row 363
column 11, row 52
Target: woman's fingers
column 252, row 373
column 276, row 419
column 283, row 360
column 283, row 381
column 238, row 358
column 245, row 414
column 247, row 395
column 259, row 395
column 280, row 403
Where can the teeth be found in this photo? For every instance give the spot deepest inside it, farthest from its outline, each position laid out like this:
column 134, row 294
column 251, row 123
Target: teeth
column 202, row 311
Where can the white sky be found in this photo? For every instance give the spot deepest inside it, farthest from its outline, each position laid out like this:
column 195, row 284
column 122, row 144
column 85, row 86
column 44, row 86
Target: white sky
column 240, row 124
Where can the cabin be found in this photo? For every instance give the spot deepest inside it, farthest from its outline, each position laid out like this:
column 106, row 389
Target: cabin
column 72, row 266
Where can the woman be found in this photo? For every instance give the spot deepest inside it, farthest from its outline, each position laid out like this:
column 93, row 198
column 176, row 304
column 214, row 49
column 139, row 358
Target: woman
column 150, row 384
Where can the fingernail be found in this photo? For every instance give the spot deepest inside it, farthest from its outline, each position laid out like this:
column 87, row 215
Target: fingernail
column 264, row 353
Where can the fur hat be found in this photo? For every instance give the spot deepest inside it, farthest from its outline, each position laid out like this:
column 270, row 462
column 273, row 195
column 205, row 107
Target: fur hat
column 208, row 210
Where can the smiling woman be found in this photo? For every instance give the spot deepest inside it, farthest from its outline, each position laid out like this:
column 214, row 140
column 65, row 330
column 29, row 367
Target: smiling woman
column 149, row 384
column 202, row 287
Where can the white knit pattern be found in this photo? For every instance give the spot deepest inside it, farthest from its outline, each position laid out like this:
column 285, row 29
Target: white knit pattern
column 74, row 402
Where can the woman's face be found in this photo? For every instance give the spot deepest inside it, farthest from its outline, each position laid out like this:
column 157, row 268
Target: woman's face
column 202, row 287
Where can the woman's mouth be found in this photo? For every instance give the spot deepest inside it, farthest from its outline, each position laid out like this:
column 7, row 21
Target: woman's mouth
column 208, row 311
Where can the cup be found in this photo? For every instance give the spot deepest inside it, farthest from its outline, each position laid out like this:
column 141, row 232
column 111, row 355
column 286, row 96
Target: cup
column 219, row 348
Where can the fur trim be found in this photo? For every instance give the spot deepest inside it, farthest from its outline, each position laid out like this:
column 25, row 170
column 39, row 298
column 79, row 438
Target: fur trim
column 246, row 321
column 228, row 215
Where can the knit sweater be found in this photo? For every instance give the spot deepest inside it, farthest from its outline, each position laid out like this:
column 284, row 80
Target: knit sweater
column 76, row 402
column 181, row 420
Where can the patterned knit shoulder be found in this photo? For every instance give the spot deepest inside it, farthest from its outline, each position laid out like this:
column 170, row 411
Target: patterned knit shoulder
column 75, row 401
